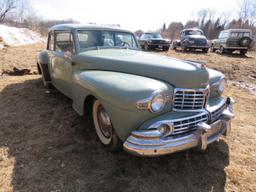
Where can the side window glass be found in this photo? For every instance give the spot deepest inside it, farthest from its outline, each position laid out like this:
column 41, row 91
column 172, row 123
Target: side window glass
column 64, row 42
column 225, row 35
column 51, row 42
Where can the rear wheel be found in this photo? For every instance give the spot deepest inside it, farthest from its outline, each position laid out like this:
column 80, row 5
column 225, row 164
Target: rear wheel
column 46, row 79
column 104, row 128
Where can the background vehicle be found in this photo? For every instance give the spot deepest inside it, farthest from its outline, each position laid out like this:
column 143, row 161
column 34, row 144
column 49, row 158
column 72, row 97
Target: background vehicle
column 191, row 39
column 233, row 40
column 149, row 104
column 150, row 41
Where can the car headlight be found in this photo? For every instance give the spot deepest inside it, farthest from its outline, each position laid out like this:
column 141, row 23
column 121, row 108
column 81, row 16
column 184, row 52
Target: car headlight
column 149, row 41
column 157, row 103
column 191, row 40
column 221, row 86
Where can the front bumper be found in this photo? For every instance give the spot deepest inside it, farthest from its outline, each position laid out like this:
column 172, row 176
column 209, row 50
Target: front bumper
column 236, row 48
column 160, row 46
column 152, row 143
column 197, row 46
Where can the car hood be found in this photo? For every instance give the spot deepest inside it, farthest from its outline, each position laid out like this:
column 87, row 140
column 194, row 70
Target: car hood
column 197, row 36
column 158, row 39
column 182, row 74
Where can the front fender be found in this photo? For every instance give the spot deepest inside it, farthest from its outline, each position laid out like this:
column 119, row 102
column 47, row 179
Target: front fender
column 119, row 93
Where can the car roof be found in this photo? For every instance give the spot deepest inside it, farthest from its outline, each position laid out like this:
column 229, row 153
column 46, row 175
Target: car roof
column 73, row 26
column 238, row 30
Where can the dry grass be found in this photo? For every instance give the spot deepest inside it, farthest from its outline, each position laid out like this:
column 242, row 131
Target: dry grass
column 44, row 146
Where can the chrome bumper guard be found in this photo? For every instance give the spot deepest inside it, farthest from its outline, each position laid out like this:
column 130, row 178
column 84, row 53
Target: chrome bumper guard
column 153, row 143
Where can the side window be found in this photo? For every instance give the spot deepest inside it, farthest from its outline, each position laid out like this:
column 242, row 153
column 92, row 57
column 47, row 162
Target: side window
column 50, row 41
column 225, row 35
column 64, row 42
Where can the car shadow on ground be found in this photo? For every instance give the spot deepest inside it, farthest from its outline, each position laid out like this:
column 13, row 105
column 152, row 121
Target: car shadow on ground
column 191, row 51
column 234, row 55
column 54, row 152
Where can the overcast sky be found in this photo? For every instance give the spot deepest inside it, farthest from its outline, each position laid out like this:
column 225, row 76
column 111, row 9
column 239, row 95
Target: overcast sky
column 132, row 14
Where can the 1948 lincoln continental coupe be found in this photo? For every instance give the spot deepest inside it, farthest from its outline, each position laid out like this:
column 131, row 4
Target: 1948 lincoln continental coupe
column 146, row 103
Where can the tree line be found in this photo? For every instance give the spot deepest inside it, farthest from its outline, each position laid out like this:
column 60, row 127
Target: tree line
column 212, row 22
column 20, row 13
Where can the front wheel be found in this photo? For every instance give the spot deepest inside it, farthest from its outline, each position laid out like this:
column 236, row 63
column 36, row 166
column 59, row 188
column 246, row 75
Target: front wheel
column 243, row 52
column 165, row 48
column 222, row 50
column 213, row 49
column 205, row 50
column 146, row 47
column 104, row 128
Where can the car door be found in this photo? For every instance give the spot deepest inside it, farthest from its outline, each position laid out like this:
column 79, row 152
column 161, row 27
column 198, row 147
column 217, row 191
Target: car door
column 217, row 41
column 61, row 63
column 223, row 39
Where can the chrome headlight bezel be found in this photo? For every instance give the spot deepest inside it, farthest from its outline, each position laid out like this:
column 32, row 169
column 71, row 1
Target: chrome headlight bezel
column 157, row 103
column 149, row 102
column 219, row 86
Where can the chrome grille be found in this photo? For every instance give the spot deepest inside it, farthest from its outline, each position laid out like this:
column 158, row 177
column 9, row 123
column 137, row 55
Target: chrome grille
column 200, row 42
column 215, row 115
column 189, row 99
column 188, row 124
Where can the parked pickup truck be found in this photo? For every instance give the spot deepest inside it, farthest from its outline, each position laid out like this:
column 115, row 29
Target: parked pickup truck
column 233, row 40
column 146, row 103
column 191, row 39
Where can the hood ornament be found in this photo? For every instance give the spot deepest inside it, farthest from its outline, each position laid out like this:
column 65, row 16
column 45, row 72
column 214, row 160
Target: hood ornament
column 200, row 64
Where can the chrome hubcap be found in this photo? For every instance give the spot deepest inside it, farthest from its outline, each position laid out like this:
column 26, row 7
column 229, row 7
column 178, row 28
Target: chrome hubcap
column 104, row 122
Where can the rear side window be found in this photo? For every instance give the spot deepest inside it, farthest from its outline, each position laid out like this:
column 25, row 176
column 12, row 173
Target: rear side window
column 64, row 42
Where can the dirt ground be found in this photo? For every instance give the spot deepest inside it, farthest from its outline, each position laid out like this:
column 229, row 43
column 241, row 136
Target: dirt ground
column 45, row 147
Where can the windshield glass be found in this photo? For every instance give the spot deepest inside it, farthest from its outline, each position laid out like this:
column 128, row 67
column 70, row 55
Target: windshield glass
column 193, row 32
column 240, row 34
column 152, row 36
column 90, row 39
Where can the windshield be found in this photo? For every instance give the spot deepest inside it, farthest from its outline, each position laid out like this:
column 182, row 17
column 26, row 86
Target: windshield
column 240, row 34
column 152, row 36
column 193, row 32
column 90, row 39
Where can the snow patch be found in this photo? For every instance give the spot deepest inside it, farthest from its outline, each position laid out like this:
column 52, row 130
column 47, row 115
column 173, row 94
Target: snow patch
column 14, row 36
column 247, row 86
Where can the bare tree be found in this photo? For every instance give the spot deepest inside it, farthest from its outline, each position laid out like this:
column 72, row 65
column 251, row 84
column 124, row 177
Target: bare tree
column 244, row 9
column 6, row 6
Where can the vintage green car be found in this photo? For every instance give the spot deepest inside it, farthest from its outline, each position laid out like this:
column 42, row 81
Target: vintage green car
column 146, row 103
column 233, row 40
